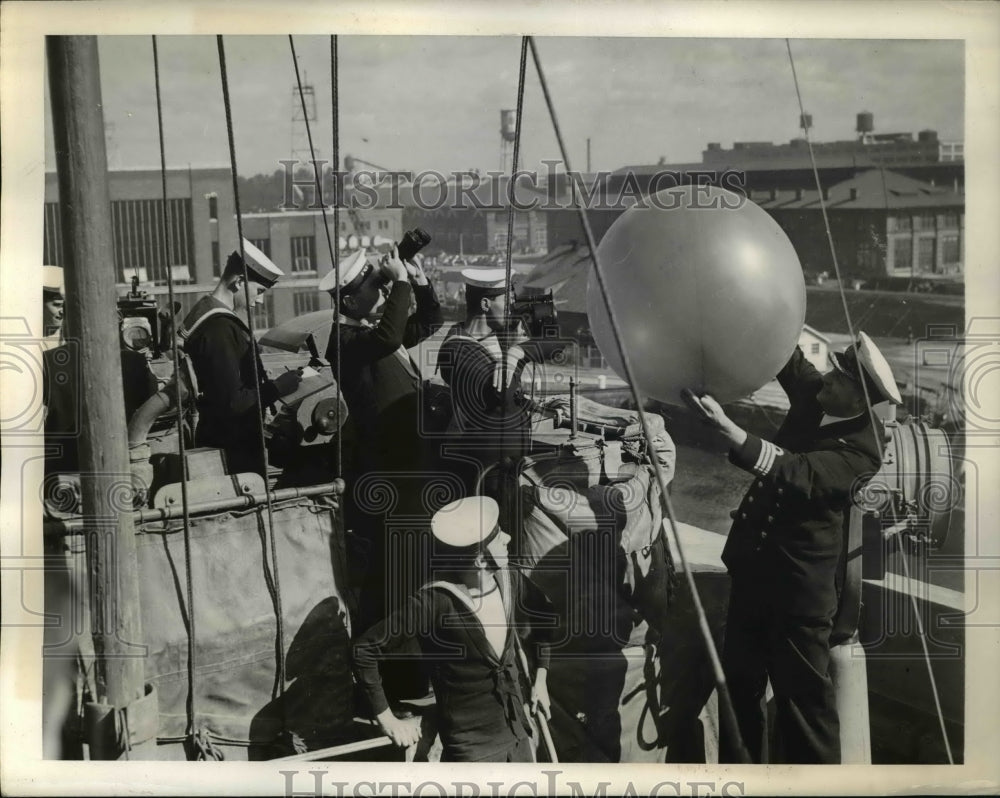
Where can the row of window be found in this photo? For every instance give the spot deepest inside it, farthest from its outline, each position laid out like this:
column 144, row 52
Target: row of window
column 302, row 253
column 924, row 221
column 143, row 241
column 365, row 225
column 927, row 250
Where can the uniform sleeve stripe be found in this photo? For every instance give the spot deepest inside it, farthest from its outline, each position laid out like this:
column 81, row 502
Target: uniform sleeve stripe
column 758, row 467
column 765, row 460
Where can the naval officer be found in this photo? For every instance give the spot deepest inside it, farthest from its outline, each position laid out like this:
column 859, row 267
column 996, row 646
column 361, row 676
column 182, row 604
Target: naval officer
column 785, row 545
column 222, row 351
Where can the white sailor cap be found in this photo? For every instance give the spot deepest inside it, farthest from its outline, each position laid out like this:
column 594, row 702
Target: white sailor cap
column 260, row 268
column 353, row 271
column 52, row 280
column 489, row 282
column 876, row 369
column 466, row 525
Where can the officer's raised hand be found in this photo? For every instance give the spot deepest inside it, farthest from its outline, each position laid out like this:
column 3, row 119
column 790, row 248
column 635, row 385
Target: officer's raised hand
column 391, row 267
column 415, row 268
column 712, row 413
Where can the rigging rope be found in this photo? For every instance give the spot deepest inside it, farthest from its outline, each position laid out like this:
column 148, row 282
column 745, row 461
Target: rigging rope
column 868, row 403
column 279, row 674
column 725, row 701
column 922, row 636
column 833, row 253
column 335, row 114
column 510, row 217
column 192, row 636
column 326, row 225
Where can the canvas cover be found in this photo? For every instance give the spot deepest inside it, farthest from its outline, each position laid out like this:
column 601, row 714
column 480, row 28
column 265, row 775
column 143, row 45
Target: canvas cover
column 629, row 677
column 236, row 627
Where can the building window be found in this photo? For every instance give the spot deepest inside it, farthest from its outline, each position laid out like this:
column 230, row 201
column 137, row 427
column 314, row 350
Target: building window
column 949, row 221
column 303, row 253
column 263, row 244
column 814, row 348
column 216, row 266
column 925, row 254
column 213, row 206
column 899, row 224
column 925, row 221
column 902, row 254
column 263, row 314
column 950, row 251
column 139, row 245
column 541, row 239
column 305, row 302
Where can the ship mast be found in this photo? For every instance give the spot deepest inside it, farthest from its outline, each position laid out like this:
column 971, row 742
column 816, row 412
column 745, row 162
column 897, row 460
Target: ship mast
column 78, row 125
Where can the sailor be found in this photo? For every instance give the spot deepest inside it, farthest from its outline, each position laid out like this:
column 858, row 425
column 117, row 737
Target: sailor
column 786, row 542
column 381, row 386
column 222, row 351
column 61, row 378
column 53, row 306
column 468, row 623
column 482, row 359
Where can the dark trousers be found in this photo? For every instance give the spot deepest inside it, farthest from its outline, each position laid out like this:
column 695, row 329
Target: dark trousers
column 764, row 642
column 519, row 750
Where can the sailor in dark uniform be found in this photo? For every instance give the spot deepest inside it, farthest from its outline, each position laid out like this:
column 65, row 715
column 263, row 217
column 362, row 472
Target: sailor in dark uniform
column 482, row 359
column 381, row 386
column 785, row 544
column 218, row 342
column 468, row 622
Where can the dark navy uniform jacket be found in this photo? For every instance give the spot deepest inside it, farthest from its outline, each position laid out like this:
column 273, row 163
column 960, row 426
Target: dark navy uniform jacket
column 480, row 703
column 787, row 535
column 380, row 383
column 219, row 345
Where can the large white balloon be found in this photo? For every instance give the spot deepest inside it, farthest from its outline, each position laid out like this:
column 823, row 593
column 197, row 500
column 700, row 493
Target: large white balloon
column 706, row 289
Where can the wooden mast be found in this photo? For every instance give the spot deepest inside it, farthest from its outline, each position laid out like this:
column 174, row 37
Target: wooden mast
column 91, row 302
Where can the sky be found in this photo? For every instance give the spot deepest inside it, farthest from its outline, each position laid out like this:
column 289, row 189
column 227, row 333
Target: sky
column 433, row 103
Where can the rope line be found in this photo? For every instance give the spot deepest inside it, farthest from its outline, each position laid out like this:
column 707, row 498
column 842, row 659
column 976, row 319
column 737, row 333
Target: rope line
column 276, row 596
column 725, row 701
column 335, row 114
column 510, row 213
column 833, row 251
column 191, row 654
column 868, row 403
column 922, row 636
column 334, row 256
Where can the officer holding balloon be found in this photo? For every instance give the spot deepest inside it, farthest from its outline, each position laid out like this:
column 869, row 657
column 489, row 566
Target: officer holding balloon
column 785, row 545
column 707, row 300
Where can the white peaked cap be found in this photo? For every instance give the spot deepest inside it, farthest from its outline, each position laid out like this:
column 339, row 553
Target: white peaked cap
column 260, row 268
column 350, row 270
column 466, row 523
column 495, row 279
column 876, row 368
column 52, row 279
